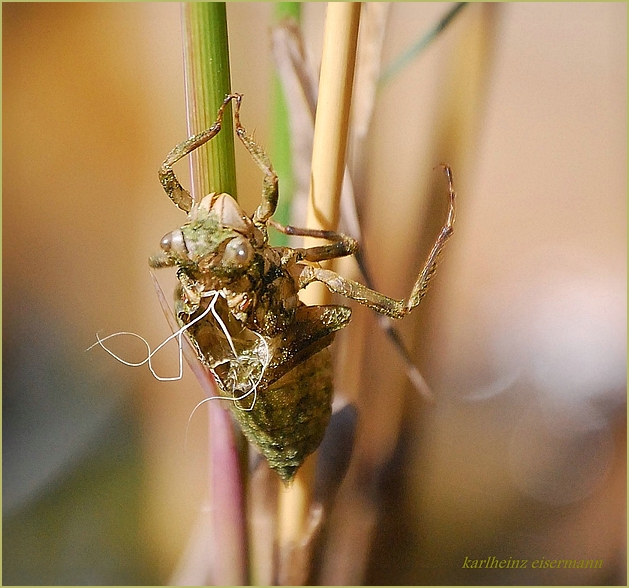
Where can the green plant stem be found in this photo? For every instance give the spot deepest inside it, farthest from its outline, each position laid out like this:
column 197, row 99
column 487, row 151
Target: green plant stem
column 207, row 77
column 281, row 144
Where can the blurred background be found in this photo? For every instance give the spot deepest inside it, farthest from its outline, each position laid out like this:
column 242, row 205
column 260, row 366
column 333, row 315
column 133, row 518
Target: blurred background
column 522, row 338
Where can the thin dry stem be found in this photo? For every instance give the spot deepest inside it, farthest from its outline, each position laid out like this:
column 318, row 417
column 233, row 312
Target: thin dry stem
column 328, row 164
column 331, row 123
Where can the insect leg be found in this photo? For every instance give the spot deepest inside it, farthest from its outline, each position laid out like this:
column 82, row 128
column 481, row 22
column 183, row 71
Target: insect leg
column 421, row 285
column 342, row 244
column 269, row 187
column 159, row 261
column 379, row 302
column 176, row 192
column 350, row 289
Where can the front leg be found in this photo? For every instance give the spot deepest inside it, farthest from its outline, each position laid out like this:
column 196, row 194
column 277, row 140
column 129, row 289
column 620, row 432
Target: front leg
column 341, row 246
column 353, row 290
column 160, row 260
column 176, row 192
column 270, row 191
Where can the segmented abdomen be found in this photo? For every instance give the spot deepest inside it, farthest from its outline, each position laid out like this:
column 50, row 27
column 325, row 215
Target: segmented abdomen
column 289, row 418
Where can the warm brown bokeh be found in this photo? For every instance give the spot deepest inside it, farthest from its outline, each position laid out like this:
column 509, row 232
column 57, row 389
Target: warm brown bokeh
column 522, row 338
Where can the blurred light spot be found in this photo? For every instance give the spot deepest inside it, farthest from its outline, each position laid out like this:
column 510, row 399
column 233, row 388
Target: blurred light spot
column 556, row 326
column 579, row 350
column 561, row 329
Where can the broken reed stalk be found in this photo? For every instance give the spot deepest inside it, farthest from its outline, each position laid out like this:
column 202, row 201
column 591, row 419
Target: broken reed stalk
column 328, row 164
column 213, row 169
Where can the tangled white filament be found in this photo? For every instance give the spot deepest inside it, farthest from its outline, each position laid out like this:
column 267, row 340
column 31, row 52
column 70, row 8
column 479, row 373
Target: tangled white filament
column 265, row 359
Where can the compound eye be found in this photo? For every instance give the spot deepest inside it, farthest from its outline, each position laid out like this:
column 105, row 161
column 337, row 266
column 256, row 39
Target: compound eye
column 174, row 243
column 238, row 252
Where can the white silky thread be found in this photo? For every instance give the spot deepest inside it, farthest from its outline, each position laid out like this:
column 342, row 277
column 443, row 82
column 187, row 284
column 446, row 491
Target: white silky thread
column 179, row 334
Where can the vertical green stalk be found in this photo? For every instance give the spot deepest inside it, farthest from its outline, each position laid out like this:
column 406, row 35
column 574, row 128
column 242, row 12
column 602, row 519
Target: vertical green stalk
column 281, row 147
column 207, row 79
column 213, row 169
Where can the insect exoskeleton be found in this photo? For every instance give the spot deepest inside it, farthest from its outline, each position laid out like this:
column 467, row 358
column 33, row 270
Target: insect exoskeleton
column 265, row 348
column 237, row 299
